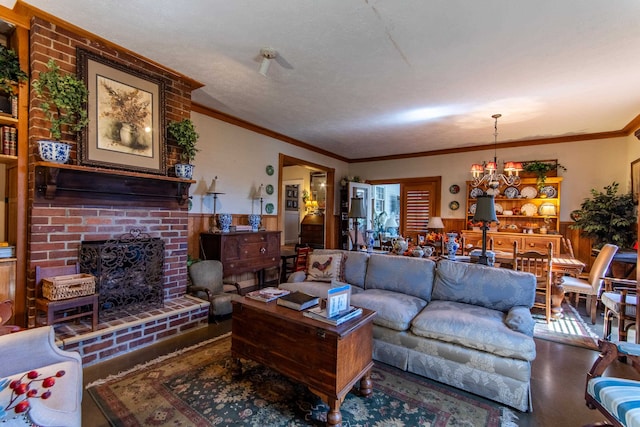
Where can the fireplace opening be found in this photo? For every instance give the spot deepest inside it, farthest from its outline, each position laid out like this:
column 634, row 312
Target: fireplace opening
column 128, row 271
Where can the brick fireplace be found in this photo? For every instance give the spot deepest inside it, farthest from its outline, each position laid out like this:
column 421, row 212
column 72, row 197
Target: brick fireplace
column 59, row 222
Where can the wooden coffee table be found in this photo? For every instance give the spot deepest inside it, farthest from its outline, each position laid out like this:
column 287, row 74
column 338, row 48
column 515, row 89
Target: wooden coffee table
column 328, row 359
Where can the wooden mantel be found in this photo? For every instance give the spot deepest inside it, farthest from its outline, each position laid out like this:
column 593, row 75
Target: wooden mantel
column 80, row 185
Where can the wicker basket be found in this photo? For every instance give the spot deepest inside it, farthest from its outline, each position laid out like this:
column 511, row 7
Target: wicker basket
column 70, row 286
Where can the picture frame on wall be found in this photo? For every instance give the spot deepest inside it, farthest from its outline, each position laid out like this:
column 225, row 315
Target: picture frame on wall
column 126, row 111
column 635, row 179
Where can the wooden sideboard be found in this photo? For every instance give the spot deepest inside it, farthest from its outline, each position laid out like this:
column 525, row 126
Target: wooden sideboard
column 312, row 231
column 242, row 252
column 503, row 241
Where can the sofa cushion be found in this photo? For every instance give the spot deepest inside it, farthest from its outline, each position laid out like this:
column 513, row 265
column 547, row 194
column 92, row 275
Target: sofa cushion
column 324, row 267
column 490, row 287
column 407, row 275
column 354, row 265
column 394, row 310
column 474, row 327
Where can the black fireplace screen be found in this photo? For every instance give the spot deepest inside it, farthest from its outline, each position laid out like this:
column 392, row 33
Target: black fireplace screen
column 128, row 271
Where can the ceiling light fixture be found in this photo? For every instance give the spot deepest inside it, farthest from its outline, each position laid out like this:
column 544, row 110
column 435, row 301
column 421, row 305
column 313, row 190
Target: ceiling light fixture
column 487, row 173
column 267, row 53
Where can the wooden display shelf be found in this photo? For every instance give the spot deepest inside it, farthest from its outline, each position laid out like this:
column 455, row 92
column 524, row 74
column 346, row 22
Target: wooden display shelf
column 73, row 185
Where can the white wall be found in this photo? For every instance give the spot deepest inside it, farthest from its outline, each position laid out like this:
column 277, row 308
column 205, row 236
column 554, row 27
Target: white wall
column 239, row 157
column 590, row 164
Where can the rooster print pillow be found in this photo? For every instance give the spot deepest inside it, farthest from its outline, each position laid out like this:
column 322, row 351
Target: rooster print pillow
column 324, row 268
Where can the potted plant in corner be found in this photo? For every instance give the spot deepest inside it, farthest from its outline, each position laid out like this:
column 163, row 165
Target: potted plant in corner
column 63, row 98
column 11, row 75
column 541, row 169
column 186, row 136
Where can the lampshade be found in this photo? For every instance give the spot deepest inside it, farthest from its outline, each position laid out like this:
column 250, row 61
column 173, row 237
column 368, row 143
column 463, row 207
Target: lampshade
column 435, row 222
column 212, row 187
column 547, row 209
column 391, row 222
column 485, row 209
column 357, row 208
column 259, row 192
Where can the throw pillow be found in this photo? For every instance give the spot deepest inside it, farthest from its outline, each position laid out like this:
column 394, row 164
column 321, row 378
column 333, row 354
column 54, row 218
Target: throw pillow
column 324, row 267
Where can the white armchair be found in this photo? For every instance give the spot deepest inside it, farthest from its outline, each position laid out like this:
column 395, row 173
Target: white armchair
column 35, row 349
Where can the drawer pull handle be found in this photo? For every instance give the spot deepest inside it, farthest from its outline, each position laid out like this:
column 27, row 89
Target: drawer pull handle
column 262, row 238
column 263, row 250
column 320, row 333
column 532, row 244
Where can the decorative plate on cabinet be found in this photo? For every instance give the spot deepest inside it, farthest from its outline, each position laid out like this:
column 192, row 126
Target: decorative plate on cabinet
column 454, row 189
column 476, row 192
column 269, row 189
column 499, row 208
column 268, row 208
column 529, row 192
column 454, row 205
column 270, row 170
column 472, row 209
column 529, row 209
column 549, row 191
column 511, row 192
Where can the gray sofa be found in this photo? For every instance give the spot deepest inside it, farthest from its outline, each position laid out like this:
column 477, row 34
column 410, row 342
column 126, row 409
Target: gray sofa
column 465, row 325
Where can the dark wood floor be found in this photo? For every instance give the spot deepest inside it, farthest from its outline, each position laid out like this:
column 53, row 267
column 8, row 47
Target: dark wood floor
column 557, row 382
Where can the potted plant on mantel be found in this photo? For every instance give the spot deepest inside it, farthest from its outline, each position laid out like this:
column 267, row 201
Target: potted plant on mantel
column 186, row 136
column 63, row 98
column 11, row 75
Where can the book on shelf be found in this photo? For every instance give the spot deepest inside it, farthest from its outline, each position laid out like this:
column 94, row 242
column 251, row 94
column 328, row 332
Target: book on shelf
column 298, row 300
column 320, row 314
column 267, row 294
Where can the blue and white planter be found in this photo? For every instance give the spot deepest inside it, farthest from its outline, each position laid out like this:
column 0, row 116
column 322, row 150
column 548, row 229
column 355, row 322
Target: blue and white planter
column 254, row 222
column 184, row 170
column 224, row 222
column 54, row 151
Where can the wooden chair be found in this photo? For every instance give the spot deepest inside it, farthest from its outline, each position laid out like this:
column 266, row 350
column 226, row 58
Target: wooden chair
column 539, row 264
column 591, row 286
column 568, row 246
column 66, row 309
column 620, row 301
column 618, row 399
column 302, row 254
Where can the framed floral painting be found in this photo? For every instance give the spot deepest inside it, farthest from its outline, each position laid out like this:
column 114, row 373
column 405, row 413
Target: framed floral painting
column 126, row 117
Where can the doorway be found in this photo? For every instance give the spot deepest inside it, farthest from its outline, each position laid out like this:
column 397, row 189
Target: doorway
column 329, row 219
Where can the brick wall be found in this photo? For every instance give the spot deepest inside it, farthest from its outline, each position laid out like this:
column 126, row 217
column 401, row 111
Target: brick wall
column 55, row 232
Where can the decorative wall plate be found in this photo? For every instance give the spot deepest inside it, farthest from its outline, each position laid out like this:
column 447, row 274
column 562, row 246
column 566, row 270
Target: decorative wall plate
column 511, row 192
column 476, row 192
column 529, row 209
column 270, row 170
column 529, row 192
column 268, row 208
column 269, row 189
column 454, row 189
column 549, row 191
column 454, row 205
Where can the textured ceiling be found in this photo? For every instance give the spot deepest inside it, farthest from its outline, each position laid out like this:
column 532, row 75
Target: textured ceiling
column 373, row 78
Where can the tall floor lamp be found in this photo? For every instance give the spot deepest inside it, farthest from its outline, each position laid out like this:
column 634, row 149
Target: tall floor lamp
column 356, row 212
column 485, row 213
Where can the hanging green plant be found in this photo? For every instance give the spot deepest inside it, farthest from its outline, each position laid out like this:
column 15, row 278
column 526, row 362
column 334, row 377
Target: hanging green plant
column 186, row 136
column 541, row 169
column 607, row 217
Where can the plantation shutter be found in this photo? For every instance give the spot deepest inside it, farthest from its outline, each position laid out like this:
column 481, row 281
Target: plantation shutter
column 418, row 200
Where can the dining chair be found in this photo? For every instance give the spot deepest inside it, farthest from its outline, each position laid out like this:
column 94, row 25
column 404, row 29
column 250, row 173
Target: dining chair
column 302, row 255
column 567, row 246
column 620, row 301
column 590, row 286
column 539, row 264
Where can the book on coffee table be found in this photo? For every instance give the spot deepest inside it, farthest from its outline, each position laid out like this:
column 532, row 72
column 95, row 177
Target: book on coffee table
column 320, row 314
column 298, row 300
column 267, row 294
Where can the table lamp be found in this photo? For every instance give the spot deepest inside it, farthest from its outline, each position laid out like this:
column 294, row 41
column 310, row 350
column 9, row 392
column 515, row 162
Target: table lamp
column 485, row 213
column 356, row 212
column 435, row 223
column 214, row 191
column 547, row 210
column 391, row 223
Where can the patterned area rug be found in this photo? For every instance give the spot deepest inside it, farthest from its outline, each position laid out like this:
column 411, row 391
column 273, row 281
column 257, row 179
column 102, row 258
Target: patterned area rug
column 194, row 387
column 570, row 329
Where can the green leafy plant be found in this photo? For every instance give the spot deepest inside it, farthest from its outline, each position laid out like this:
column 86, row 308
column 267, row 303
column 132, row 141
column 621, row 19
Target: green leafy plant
column 186, row 136
column 63, row 98
column 541, row 169
column 11, row 74
column 607, row 217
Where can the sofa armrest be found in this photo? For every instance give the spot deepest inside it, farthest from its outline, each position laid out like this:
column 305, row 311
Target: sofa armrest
column 519, row 319
column 297, row 276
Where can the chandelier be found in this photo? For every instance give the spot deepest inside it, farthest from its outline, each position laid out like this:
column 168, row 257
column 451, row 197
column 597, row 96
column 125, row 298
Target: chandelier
column 487, row 173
